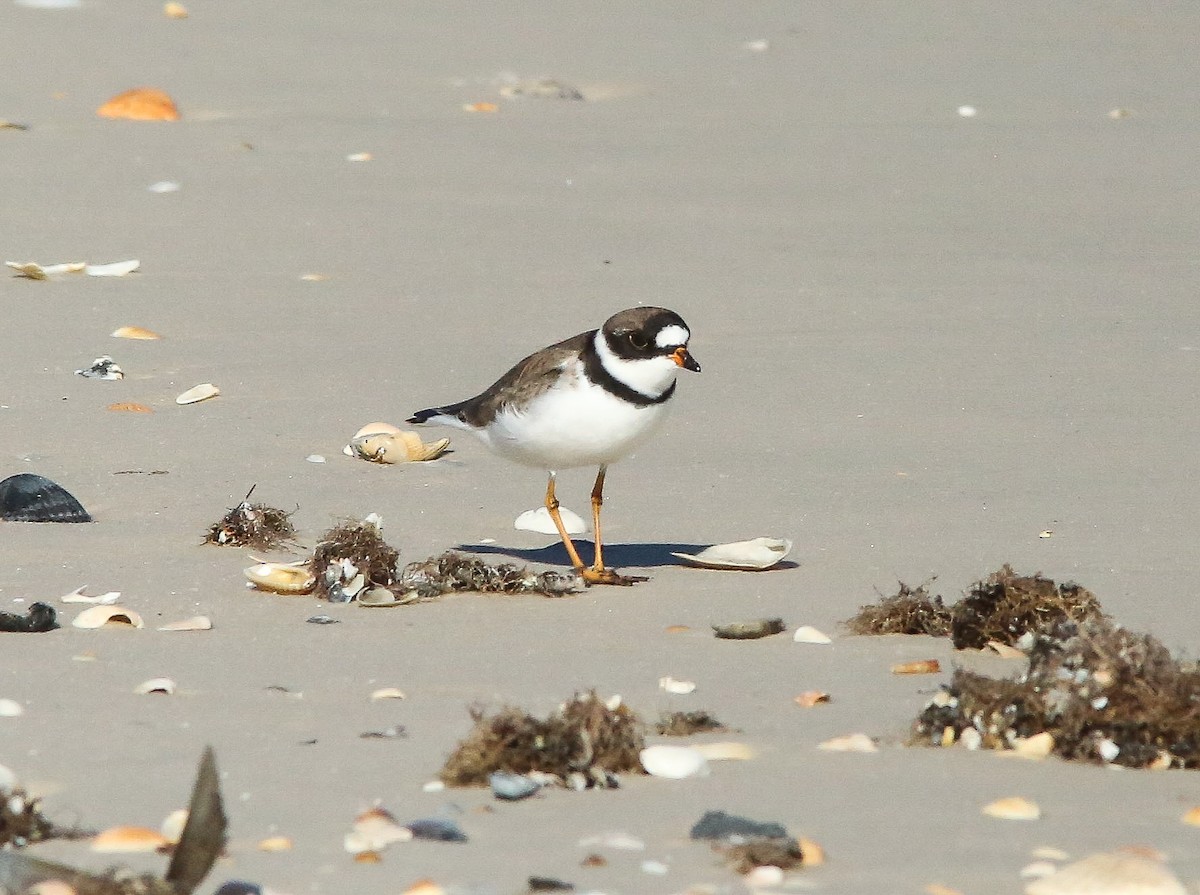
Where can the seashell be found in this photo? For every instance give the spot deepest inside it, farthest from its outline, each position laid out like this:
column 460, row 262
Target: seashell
column 1012, row 808
column 175, row 10
column 195, row 623
column 814, row 854
column 1109, row 874
column 52, row 887
column 1004, row 650
column 10, row 708
column 173, row 824
column 140, row 104
column 102, row 368
column 809, row 634
column 135, row 332
column 388, row 693
column 679, row 688
column 275, row 844
column 673, row 762
column 394, row 447
column 155, row 685
column 749, row 630
column 198, row 393
column 373, row 831
column 512, row 787
column 1038, row 869
column 920, row 666
column 117, row 840
column 424, row 887
column 111, row 616
column 374, row 597
column 378, row 429
column 78, row 596
column 1039, row 745
column 115, row 269
column 809, row 698
column 129, row 407
column 437, row 829
column 724, row 751
column 26, row 497
column 1049, row 853
column 539, row 521
column 8, row 779
column 677, row 629
column 33, row 271
column 1191, row 818
column 765, row 876
column 851, row 742
column 280, row 578
column 752, row 556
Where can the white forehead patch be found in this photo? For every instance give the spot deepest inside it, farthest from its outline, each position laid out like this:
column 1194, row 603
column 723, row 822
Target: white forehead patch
column 671, row 335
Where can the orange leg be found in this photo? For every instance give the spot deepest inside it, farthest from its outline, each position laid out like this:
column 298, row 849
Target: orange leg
column 597, row 574
column 552, row 507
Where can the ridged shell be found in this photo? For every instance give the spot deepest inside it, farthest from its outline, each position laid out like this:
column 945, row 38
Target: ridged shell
column 26, row 497
column 281, row 579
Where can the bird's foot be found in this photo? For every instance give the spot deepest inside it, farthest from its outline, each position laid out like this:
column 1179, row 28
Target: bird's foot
column 592, row 575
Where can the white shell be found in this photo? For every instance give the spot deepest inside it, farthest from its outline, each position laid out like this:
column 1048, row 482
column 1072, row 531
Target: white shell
column 198, row 393
column 679, row 688
column 753, row 555
column 539, row 521
column 674, row 762
column 851, row 742
column 809, row 634
column 155, row 685
column 10, row 708
column 1109, row 874
column 99, row 616
column 115, row 269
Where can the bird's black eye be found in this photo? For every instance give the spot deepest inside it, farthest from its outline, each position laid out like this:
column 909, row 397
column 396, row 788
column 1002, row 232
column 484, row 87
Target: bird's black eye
column 638, row 342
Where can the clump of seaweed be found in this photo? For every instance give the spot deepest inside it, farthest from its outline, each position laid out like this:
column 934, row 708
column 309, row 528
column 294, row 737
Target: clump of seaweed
column 683, row 724
column 908, row 611
column 252, row 525
column 22, row 822
column 1103, row 693
column 351, row 557
column 746, row 844
column 39, row 618
column 1005, row 605
column 585, row 735
column 451, row 571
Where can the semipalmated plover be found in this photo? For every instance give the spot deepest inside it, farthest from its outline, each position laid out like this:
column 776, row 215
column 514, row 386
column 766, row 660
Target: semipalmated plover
column 587, row 401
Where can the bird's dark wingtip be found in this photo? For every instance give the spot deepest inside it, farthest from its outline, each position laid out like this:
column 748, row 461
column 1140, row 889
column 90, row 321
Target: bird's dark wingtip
column 422, row 416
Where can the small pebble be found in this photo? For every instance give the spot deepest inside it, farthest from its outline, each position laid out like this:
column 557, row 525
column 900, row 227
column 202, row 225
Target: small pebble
column 321, row 620
column 968, row 111
column 512, row 787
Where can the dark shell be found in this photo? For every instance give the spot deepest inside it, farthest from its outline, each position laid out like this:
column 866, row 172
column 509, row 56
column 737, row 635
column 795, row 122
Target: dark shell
column 437, row 829
column 31, row 498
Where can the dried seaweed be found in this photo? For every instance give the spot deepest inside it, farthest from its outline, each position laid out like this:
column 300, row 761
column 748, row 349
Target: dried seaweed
column 1103, row 693
column 908, row 611
column 782, row 853
column 746, row 844
column 348, row 550
column 252, row 525
column 39, row 618
column 1005, row 606
column 450, row 572
column 682, row 724
column 584, row 735
column 22, row 822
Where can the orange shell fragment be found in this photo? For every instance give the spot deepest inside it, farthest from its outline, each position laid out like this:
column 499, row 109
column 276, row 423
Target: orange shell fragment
column 130, row 407
column 140, row 104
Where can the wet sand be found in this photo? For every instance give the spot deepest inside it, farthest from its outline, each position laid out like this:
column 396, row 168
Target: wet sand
column 926, row 339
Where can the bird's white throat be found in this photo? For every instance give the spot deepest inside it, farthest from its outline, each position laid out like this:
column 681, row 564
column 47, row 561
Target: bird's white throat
column 648, row 376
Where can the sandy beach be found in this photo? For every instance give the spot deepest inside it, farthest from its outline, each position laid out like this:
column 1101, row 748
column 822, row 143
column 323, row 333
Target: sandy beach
column 938, row 261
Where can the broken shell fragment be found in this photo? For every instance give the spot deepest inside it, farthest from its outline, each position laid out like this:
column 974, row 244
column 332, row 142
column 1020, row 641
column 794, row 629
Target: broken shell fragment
column 173, row 824
column 195, row 623
column 198, row 393
column 538, row 520
column 679, row 688
column 809, row 634
column 673, row 762
column 388, row 693
column 162, row 685
column 26, row 497
column 1037, row 746
column 851, row 742
column 373, row 831
column 102, row 368
column 1013, row 808
column 31, row 270
column 1109, row 874
column 116, row 840
column 809, row 698
column 275, row 844
column 393, row 447
column 751, row 556
column 920, row 666
column 280, row 578
column 129, row 407
column 175, row 10
column 1192, row 817
column 107, row 616
column 140, row 104
column 136, row 332
column 749, row 630
column 374, row 597
column 725, row 751
column 114, row 269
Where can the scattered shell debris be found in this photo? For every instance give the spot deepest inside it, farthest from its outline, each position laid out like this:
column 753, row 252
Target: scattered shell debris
column 755, row 555
column 1013, row 808
column 451, row 571
column 538, row 520
column 103, row 367
column 136, row 333
column 27, row 497
column 254, row 525
column 107, row 617
column 141, row 104
column 752, row 629
column 385, row 443
column 38, row 619
column 198, row 393
column 351, row 557
column 809, row 634
column 585, row 743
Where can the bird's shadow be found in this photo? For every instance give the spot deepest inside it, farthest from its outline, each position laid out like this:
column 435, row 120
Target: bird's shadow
column 641, row 556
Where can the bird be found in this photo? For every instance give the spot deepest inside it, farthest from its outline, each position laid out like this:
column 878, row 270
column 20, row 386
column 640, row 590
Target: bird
column 589, row 400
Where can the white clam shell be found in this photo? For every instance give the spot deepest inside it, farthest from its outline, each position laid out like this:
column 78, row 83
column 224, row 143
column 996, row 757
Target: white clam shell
column 155, row 685
column 539, row 521
column 99, row 616
column 280, row 578
column 753, row 555
column 198, row 393
column 674, row 762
